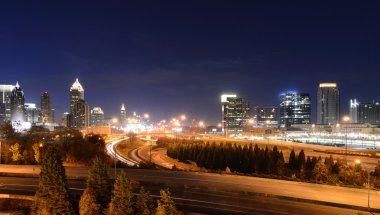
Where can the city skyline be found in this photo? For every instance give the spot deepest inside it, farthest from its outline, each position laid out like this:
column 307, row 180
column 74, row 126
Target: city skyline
column 169, row 66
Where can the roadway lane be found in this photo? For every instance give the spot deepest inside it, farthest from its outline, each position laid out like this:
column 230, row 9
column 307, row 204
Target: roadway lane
column 244, row 185
column 211, row 202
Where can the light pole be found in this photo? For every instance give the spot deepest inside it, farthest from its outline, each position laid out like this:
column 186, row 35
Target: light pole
column 346, row 119
column 369, row 185
column 251, row 122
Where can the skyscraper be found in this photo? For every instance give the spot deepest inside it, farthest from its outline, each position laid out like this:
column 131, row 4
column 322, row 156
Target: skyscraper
column 17, row 104
column 97, row 116
column 328, row 104
column 46, row 110
column 81, row 115
column 5, row 102
column 295, row 108
column 235, row 114
column 123, row 115
column 76, row 93
column 79, row 110
column 354, row 110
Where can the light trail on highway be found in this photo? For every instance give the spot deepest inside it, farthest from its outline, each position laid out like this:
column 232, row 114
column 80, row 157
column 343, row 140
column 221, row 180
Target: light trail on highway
column 111, row 150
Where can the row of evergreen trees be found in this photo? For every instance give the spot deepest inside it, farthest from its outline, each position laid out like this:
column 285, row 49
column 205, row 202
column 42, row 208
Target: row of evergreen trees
column 52, row 196
column 249, row 159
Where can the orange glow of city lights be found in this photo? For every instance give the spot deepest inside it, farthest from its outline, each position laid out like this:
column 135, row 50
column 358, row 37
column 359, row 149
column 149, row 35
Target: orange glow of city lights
column 115, row 120
column 251, row 121
column 201, row 124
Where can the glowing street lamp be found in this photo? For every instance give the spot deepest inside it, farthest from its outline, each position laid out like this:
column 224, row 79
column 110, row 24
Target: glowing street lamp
column 146, row 116
column 219, row 125
column 201, row 124
column 114, row 120
column 346, row 119
column 183, row 117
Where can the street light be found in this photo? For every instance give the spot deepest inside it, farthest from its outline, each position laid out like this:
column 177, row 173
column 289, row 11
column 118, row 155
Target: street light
column 183, row 117
column 357, row 161
column 251, row 122
column 346, row 119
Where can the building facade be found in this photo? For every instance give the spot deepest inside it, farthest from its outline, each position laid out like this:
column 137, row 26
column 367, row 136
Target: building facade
column 81, row 115
column 97, row 117
column 123, row 115
column 76, row 93
column 328, row 104
column 5, row 102
column 17, row 104
column 368, row 113
column 31, row 113
column 46, row 109
column 266, row 116
column 235, row 115
column 295, row 108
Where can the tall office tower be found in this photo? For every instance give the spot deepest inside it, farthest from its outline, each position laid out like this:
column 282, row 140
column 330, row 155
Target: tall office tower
column 46, row 110
column 123, row 115
column 266, row 116
column 328, row 104
column 5, row 102
column 76, row 93
column 295, row 108
column 17, row 101
column 354, row 110
column 31, row 113
column 369, row 113
column 81, row 116
column 235, row 114
column 97, row 116
column 77, row 106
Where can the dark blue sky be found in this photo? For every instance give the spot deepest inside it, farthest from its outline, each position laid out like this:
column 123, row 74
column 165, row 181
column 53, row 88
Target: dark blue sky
column 172, row 57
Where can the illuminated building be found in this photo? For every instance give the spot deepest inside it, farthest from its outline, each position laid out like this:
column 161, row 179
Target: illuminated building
column 123, row 115
column 46, row 110
column 31, row 113
column 5, row 102
column 97, row 116
column 235, row 114
column 76, row 93
column 354, row 111
column 368, row 113
column 17, row 104
column 81, row 115
column 79, row 110
column 328, row 104
column 67, row 120
column 266, row 116
column 295, row 108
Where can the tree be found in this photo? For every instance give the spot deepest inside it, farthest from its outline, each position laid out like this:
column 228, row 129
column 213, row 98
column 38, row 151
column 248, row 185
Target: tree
column 16, row 152
column 87, row 203
column 165, row 205
column 121, row 202
column 293, row 161
column 143, row 205
column 99, row 183
column 320, row 171
column 37, row 153
column 52, row 196
column 7, row 131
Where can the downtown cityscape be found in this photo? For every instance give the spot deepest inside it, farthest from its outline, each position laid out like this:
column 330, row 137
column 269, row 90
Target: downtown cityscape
column 198, row 107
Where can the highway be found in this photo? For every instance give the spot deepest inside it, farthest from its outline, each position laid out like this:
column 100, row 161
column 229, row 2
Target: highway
column 231, row 186
column 111, row 150
column 195, row 200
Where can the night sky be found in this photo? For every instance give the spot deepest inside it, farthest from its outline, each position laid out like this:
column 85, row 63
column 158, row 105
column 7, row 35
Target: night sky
column 172, row 57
